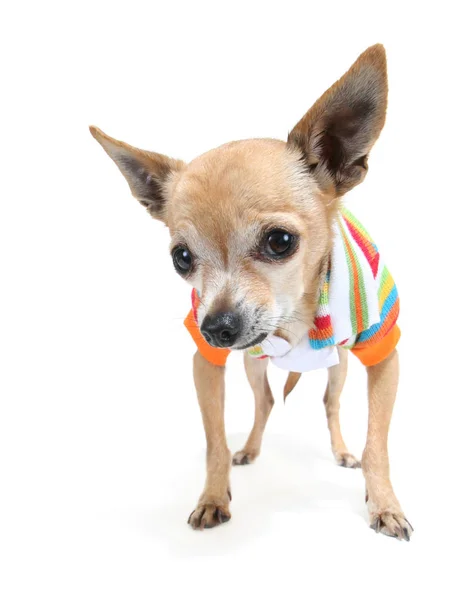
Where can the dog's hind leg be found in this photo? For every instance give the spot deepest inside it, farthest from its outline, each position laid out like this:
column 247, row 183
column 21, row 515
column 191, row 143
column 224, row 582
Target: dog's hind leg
column 256, row 371
column 336, row 381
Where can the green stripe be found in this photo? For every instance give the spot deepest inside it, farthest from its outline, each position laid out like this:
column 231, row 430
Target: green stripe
column 356, row 223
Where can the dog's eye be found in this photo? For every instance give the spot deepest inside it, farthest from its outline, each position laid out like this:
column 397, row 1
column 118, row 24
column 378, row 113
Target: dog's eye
column 182, row 260
column 279, row 243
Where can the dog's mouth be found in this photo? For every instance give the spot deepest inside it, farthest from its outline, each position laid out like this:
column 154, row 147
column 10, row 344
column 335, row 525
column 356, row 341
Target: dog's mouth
column 257, row 340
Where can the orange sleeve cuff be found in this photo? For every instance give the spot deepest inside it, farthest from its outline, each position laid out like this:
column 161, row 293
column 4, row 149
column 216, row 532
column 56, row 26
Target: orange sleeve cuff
column 375, row 354
column 216, row 356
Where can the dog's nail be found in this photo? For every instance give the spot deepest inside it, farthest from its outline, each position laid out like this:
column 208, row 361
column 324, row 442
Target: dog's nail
column 222, row 517
column 412, row 528
column 200, row 521
column 376, row 525
column 229, row 494
column 402, row 530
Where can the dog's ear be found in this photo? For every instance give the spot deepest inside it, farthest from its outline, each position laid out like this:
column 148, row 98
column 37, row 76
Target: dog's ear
column 337, row 133
column 147, row 173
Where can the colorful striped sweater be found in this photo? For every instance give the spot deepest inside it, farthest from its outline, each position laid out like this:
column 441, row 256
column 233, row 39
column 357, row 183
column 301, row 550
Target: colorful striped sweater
column 358, row 309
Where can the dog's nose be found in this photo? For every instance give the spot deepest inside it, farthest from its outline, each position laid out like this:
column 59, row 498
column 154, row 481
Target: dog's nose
column 221, row 329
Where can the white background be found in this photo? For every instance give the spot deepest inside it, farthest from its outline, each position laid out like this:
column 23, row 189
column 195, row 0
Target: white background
column 101, row 441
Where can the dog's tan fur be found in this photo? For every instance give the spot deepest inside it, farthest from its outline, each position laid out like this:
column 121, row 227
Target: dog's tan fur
column 218, row 206
column 213, row 505
column 256, row 371
column 336, row 381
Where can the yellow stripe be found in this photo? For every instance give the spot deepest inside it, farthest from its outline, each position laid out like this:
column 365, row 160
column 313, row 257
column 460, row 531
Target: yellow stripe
column 385, row 290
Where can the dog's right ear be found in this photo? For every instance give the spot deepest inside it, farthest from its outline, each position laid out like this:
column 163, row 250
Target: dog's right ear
column 147, row 173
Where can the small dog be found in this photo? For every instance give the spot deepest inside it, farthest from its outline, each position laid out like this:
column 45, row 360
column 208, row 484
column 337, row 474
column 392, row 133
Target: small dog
column 280, row 270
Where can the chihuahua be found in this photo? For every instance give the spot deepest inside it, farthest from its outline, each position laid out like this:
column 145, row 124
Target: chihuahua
column 280, row 270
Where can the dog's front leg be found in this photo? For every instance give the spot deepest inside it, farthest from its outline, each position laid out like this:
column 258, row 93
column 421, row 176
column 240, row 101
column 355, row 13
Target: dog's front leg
column 213, row 505
column 384, row 509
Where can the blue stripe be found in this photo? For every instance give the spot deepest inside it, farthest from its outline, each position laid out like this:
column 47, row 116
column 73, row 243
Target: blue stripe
column 387, row 306
column 319, row 344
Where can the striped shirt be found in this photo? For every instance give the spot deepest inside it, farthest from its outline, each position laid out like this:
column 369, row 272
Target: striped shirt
column 358, row 309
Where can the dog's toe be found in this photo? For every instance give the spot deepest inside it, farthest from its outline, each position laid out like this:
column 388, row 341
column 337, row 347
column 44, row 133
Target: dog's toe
column 244, row 457
column 210, row 513
column 347, row 460
column 392, row 524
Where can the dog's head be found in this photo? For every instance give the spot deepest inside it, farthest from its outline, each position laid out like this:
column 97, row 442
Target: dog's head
column 251, row 221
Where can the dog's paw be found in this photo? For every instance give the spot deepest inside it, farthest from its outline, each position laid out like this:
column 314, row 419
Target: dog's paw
column 393, row 524
column 347, row 460
column 244, row 457
column 210, row 512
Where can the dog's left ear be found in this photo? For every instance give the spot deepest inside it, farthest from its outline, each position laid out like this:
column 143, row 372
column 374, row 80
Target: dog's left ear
column 337, row 133
column 147, row 173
